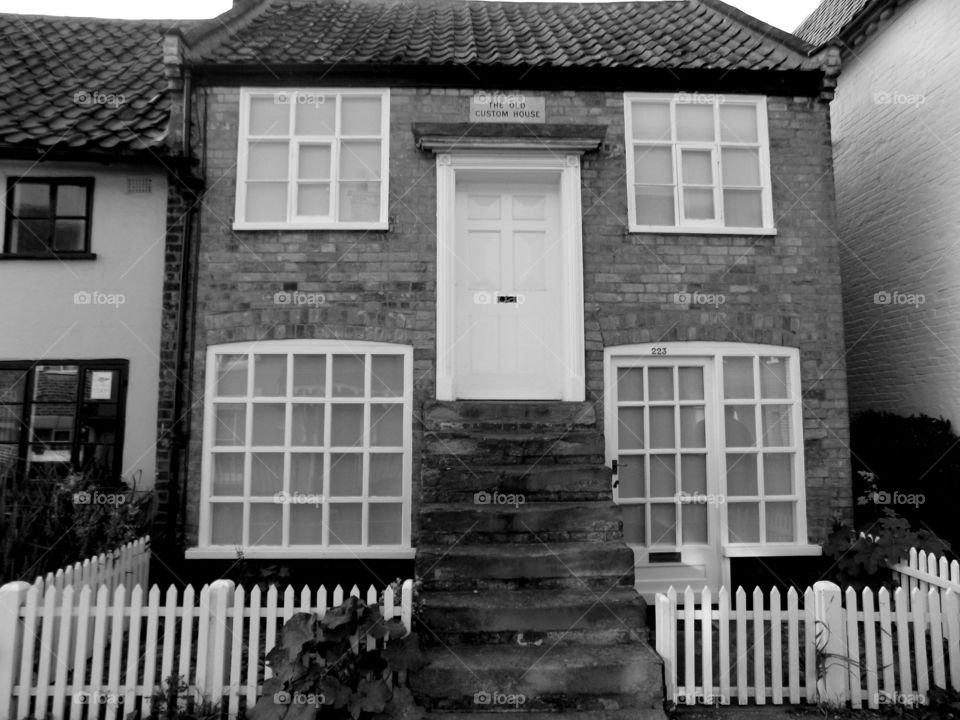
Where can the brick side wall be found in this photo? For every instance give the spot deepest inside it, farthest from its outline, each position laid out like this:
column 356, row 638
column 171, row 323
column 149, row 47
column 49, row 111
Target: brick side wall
column 381, row 286
column 898, row 169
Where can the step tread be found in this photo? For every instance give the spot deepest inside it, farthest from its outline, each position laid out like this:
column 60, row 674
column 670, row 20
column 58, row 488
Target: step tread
column 527, row 507
column 628, row 714
column 525, row 550
column 534, row 599
column 481, row 658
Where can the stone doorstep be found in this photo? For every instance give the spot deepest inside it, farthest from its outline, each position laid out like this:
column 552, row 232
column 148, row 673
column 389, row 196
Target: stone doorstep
column 462, row 415
column 628, row 714
column 499, row 516
column 548, row 482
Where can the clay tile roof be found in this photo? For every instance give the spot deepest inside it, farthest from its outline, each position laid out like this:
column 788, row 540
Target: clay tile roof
column 667, row 34
column 830, row 17
column 82, row 83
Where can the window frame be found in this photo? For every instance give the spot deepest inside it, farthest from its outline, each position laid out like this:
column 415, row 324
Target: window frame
column 28, row 367
column 715, row 353
column 53, row 182
column 205, row 548
column 331, row 222
column 717, row 225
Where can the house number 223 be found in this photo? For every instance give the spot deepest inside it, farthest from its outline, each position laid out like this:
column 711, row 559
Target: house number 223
column 658, row 351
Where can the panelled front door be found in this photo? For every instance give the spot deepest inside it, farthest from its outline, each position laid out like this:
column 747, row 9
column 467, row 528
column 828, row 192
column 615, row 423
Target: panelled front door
column 666, row 482
column 507, row 288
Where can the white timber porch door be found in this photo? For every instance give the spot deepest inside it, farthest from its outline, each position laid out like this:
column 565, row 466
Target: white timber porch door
column 510, row 287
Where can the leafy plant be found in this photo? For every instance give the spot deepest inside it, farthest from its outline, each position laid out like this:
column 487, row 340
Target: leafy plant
column 861, row 555
column 319, row 667
column 176, row 702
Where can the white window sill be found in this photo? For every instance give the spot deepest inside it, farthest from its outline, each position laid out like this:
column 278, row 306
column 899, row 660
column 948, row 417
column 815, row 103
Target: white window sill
column 312, row 226
column 674, row 230
column 214, row 552
column 772, row 550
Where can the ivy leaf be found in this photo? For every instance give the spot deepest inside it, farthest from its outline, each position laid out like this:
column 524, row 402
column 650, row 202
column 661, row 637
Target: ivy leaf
column 267, row 708
column 402, row 706
column 335, row 693
column 372, row 696
column 298, row 630
column 404, row 654
column 371, row 663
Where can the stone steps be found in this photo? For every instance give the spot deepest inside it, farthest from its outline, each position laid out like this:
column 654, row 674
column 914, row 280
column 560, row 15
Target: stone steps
column 443, row 449
column 483, row 416
column 541, row 482
column 629, row 714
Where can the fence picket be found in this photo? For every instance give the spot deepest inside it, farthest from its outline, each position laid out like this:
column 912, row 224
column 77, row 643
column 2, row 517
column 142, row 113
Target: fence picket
column 741, row 610
column 289, row 601
column 723, row 645
column 63, row 653
column 776, row 652
column 133, row 646
column 759, row 654
column 951, row 610
column 706, row 635
column 47, row 624
column 870, row 647
column 886, row 642
column 936, row 640
column 902, row 616
column 80, row 651
column 151, row 651
column 99, row 640
column 253, row 665
column 919, row 607
column 169, row 634
column 270, row 637
column 689, row 644
column 26, row 656
column 115, row 644
column 793, row 645
column 236, row 651
column 669, row 643
column 186, row 635
column 203, row 640
column 853, row 649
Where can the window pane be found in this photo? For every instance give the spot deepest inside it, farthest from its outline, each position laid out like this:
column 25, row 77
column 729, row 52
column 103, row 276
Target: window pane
column 267, row 161
column 741, row 166
column 226, row 523
column 346, row 474
column 692, row 427
column 31, row 200
column 774, row 378
column 778, row 474
column 693, row 474
column 266, row 202
column 629, row 384
column 30, row 236
column 12, row 385
column 266, row 524
column 359, row 161
column 655, row 205
column 743, row 521
column 653, row 165
column 386, row 425
column 661, row 383
column 348, row 376
column 346, row 425
column 630, row 475
column 270, row 375
column 316, row 118
column 694, row 524
column 697, row 167
column 70, row 235
column 266, row 473
column 313, row 199
column 360, row 115
column 386, row 474
column 743, row 208
column 634, row 527
column 631, row 428
column 345, row 524
column 71, row 200
column 663, row 479
column 663, row 524
column 307, row 425
column 386, row 526
column 359, row 201
column 780, row 526
column 269, row 117
column 661, row 427
column 651, row 121
column 309, row 375
column 776, row 426
column 231, row 375
column 740, row 425
column 738, row 123
column 230, row 425
column 742, row 474
column 698, row 204
column 386, row 376
column 738, row 378
column 695, row 122
column 306, row 473
column 306, row 525
column 227, row 474
column 269, row 421
column 314, row 162
column 691, row 383
column 10, row 424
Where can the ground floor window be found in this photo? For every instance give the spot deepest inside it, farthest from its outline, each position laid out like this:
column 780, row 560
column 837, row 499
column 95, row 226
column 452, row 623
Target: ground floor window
column 59, row 416
column 307, row 446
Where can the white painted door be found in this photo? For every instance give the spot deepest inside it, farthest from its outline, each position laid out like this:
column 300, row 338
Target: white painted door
column 667, row 481
column 508, row 342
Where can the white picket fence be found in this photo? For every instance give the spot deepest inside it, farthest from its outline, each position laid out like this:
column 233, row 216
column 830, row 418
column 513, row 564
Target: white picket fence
column 213, row 641
column 128, row 565
column 867, row 649
column 927, row 571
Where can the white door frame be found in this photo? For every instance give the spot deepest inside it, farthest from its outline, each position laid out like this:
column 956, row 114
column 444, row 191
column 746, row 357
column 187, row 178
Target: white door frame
column 567, row 168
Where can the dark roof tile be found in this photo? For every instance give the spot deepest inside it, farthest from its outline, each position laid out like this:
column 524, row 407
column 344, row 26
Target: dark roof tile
column 830, row 17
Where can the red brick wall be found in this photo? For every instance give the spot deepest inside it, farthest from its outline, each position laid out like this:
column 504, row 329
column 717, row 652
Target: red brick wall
column 782, row 290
